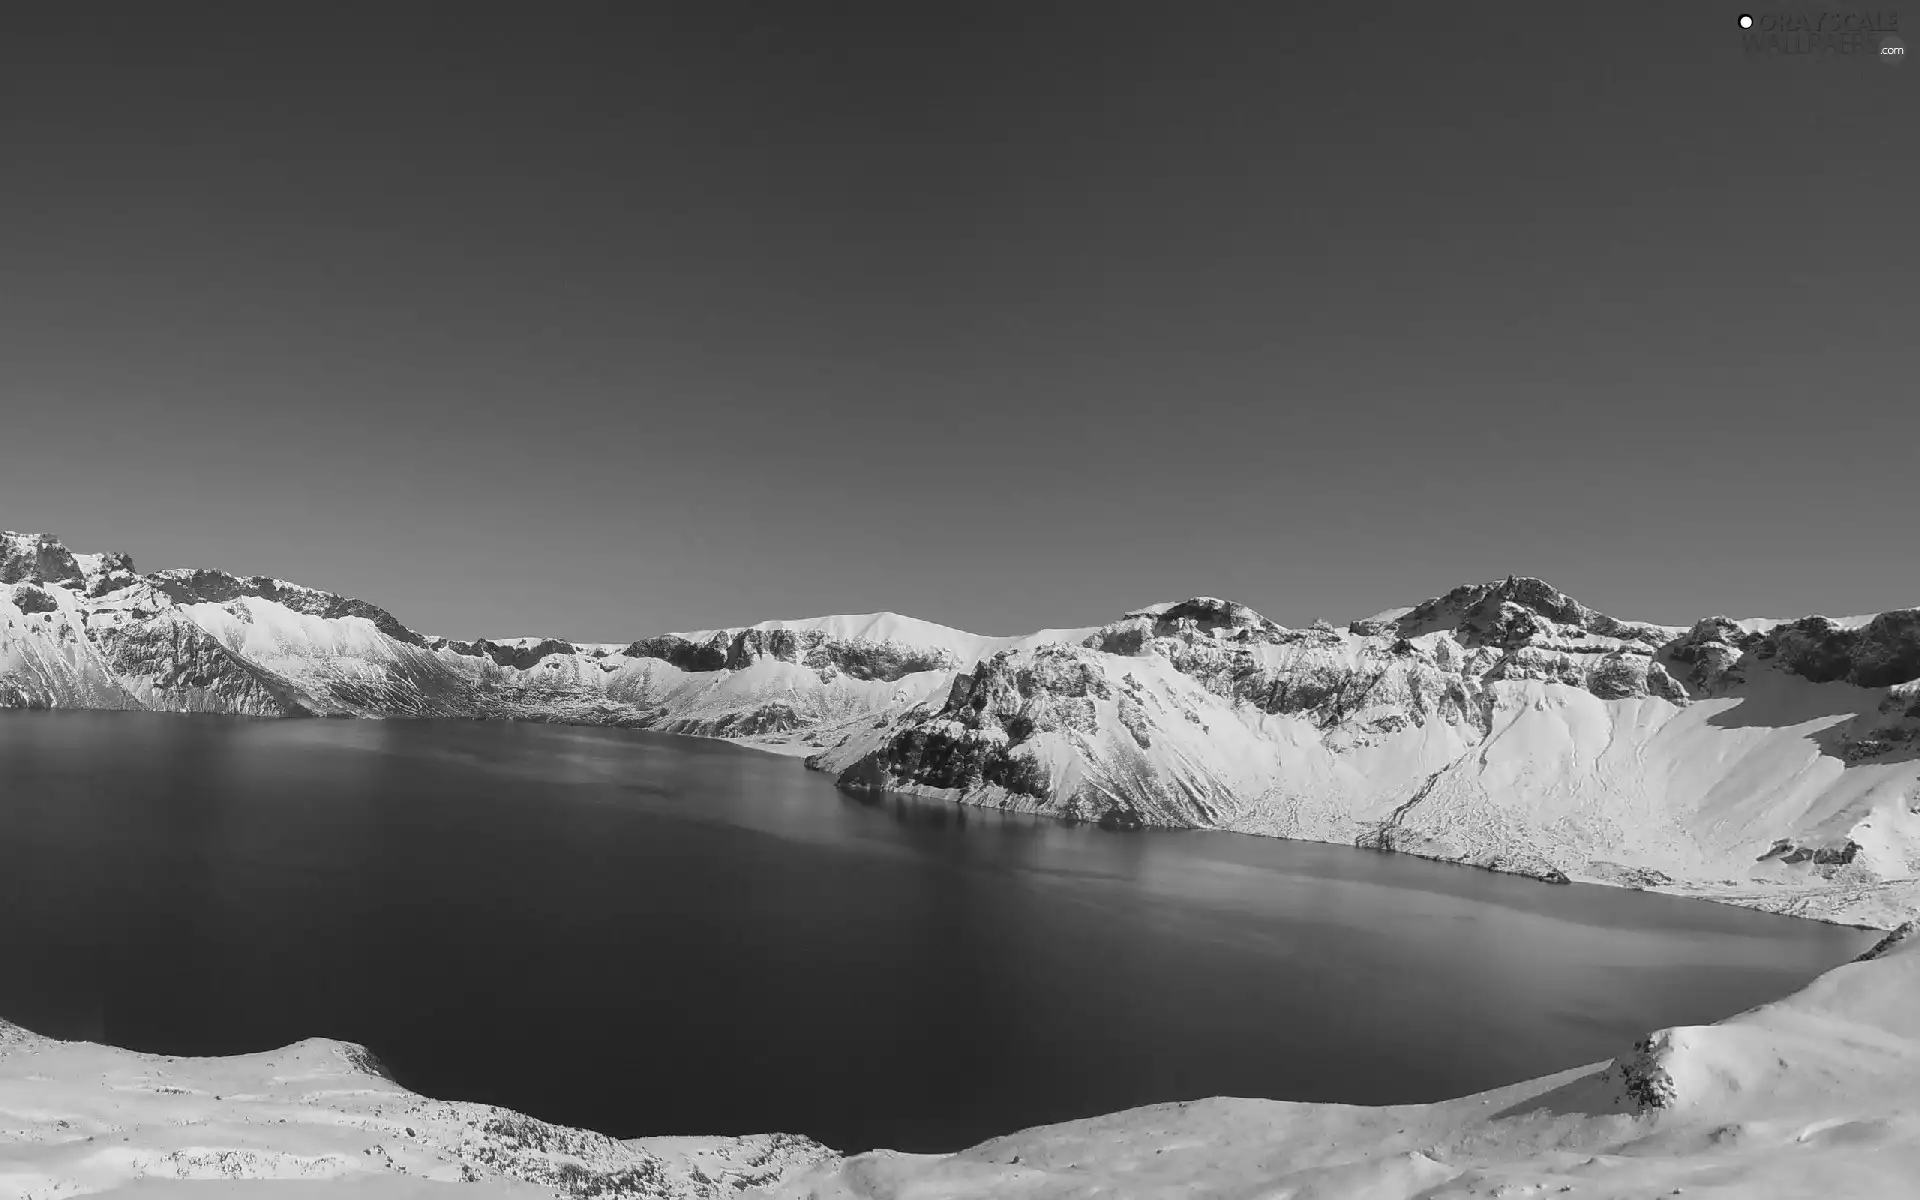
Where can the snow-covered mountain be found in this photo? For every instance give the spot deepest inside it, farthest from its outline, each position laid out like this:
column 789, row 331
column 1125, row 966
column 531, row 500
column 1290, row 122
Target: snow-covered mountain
column 87, row 632
column 1775, row 764
column 1769, row 763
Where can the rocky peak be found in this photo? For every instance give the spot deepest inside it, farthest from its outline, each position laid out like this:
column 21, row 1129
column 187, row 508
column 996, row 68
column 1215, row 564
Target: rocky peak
column 1717, row 629
column 785, row 645
column 1882, row 653
column 1712, row 650
column 520, row 657
column 1203, row 618
column 1515, row 611
column 735, row 650
column 710, row 655
column 37, row 558
column 185, row 586
column 1204, row 614
column 106, row 572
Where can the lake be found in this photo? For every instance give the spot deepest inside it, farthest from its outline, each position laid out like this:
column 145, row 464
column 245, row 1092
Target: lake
column 645, row 934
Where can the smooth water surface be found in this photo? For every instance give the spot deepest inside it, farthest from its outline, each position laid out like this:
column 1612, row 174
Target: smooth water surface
column 644, row 934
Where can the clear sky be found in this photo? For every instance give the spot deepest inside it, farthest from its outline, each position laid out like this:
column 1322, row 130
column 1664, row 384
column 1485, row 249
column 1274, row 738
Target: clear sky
column 602, row 320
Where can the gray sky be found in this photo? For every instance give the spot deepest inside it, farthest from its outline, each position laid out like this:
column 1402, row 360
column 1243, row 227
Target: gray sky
column 603, row 320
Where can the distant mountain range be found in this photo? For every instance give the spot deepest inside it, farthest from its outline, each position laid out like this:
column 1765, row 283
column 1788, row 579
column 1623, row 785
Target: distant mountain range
column 1769, row 763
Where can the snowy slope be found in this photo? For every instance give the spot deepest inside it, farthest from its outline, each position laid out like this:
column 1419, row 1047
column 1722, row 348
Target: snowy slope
column 1765, row 762
column 79, row 1119
column 887, row 627
column 1817, row 1094
column 1503, row 725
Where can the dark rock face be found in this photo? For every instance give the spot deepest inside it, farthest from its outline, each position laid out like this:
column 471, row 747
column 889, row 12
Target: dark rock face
column 525, row 657
column 1621, row 675
column 1711, row 652
column 750, row 645
column 1618, row 677
column 37, row 558
column 773, row 717
column 30, row 599
column 827, row 656
column 1126, row 638
column 1823, row 856
column 1200, row 620
column 1813, row 648
column 1646, row 1082
column 1005, row 683
column 1883, row 653
column 218, row 587
column 943, row 756
column 367, row 1062
column 185, row 669
column 115, row 571
column 884, row 661
column 1206, row 615
column 869, row 775
column 1885, row 742
column 688, row 656
column 991, row 713
column 1894, row 938
column 1511, row 613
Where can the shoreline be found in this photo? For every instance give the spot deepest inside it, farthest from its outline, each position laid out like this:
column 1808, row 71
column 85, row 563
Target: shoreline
column 1678, row 889
column 1753, row 900
column 103, row 1117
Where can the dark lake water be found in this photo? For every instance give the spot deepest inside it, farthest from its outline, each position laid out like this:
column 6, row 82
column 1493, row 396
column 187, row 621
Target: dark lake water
column 644, row 934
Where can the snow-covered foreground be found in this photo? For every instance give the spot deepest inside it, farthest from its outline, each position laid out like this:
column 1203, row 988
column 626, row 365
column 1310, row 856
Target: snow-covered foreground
column 1772, row 764
column 1817, row 1094
column 77, row 1119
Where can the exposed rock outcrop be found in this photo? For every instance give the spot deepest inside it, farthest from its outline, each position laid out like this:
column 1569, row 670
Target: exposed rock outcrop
column 1882, row 653
column 218, row 587
column 737, row 650
column 37, row 558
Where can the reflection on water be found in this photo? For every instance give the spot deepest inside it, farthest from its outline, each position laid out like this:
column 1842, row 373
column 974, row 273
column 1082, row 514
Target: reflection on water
column 645, row 935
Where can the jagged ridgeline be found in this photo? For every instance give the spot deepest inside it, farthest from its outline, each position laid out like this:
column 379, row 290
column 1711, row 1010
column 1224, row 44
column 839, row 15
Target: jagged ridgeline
column 1773, row 763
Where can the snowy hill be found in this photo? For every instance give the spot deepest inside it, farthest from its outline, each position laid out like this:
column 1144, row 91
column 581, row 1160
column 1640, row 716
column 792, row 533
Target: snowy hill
column 81, row 1119
column 1770, row 763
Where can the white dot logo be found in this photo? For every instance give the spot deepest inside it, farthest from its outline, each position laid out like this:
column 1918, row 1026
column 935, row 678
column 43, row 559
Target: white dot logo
column 1746, row 22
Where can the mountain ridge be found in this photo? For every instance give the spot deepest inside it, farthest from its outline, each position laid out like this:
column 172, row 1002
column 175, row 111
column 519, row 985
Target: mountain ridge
column 1501, row 724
